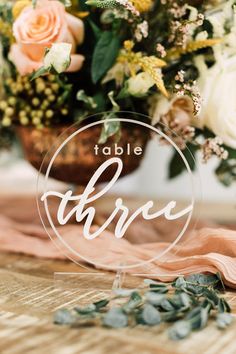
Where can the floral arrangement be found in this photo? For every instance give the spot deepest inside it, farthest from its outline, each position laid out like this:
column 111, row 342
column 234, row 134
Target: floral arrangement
column 174, row 61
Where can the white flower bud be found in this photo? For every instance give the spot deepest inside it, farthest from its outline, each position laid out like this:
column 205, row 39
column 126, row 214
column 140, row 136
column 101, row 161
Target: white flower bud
column 140, row 84
column 58, row 57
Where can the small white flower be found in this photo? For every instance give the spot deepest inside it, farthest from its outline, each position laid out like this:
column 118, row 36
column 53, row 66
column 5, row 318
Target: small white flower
column 140, row 84
column 58, row 57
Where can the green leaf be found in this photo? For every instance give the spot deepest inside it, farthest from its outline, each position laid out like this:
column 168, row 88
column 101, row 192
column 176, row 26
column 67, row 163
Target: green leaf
column 134, row 301
column 100, row 304
column 223, row 306
column 226, row 171
column 96, row 30
column 85, row 310
column 223, row 320
column 154, row 298
column 180, row 283
column 151, row 315
column 198, row 317
column 115, row 318
column 212, row 296
column 109, row 129
column 104, row 55
column 177, row 166
column 159, row 288
column 88, row 100
column 221, row 283
column 202, row 279
column 123, row 292
column 166, row 305
column 180, row 330
column 63, row 317
column 41, row 71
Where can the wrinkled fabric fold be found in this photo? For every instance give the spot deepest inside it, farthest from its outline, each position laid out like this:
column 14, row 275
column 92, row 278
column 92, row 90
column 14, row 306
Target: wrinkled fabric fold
column 206, row 249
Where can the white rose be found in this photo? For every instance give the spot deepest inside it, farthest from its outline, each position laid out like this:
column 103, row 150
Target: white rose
column 140, row 84
column 218, row 91
column 58, row 57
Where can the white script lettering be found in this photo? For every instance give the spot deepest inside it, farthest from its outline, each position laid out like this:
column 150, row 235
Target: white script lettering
column 88, row 214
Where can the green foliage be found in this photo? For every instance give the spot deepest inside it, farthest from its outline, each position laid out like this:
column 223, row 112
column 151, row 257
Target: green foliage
column 226, row 171
column 177, row 166
column 189, row 302
column 109, row 128
column 104, row 55
column 115, row 318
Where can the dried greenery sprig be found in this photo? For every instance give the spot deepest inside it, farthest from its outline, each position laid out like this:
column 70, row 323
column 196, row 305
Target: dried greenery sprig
column 188, row 303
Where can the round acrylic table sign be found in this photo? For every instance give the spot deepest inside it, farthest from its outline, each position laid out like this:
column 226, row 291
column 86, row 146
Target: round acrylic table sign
column 116, row 195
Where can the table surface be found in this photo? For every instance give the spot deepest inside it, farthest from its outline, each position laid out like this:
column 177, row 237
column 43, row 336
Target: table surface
column 30, row 293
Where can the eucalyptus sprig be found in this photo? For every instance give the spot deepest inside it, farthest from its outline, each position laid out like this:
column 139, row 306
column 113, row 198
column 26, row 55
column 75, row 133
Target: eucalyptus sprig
column 188, row 303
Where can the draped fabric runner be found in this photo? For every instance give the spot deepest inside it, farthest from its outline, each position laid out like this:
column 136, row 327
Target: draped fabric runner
column 209, row 248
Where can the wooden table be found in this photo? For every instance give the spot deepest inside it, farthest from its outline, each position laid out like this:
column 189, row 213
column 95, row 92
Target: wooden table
column 29, row 295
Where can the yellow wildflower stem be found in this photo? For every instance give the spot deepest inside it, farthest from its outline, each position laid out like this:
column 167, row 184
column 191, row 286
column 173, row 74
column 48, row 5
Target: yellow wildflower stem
column 151, row 65
column 192, row 46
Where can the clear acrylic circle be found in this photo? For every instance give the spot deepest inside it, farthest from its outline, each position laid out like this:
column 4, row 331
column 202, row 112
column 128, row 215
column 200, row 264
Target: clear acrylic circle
column 74, row 156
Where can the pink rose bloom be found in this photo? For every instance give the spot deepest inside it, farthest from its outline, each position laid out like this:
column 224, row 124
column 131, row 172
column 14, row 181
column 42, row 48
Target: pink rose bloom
column 37, row 29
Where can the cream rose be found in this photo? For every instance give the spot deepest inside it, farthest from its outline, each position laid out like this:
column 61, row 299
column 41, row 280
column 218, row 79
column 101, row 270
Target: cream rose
column 180, row 108
column 37, row 29
column 58, row 57
column 218, row 91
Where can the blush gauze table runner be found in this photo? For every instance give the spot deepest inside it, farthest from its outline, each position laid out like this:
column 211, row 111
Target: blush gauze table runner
column 208, row 248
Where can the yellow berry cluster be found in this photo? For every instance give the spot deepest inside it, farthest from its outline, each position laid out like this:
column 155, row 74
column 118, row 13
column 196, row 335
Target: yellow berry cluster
column 6, row 30
column 33, row 102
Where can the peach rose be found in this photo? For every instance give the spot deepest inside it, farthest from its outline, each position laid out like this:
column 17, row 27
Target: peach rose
column 37, row 29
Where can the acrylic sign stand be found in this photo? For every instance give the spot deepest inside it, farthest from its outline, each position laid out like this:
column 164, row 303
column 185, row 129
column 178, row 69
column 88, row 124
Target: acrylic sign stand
column 89, row 276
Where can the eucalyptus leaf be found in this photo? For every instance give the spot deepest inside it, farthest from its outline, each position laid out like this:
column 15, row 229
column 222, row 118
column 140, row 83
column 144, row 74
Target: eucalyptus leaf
column 212, row 296
column 180, row 282
column 193, row 301
column 221, row 283
column 202, row 279
column 151, row 315
column 63, row 317
column 115, row 318
column 85, row 310
column 223, row 306
column 154, row 298
column 158, row 288
column 198, row 317
column 172, row 316
column 101, row 304
column 134, row 301
column 166, row 305
column 180, row 330
column 223, row 320
column 123, row 292
column 185, row 299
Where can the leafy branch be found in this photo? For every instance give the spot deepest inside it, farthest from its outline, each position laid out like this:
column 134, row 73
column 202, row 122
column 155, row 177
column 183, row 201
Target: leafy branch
column 189, row 303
